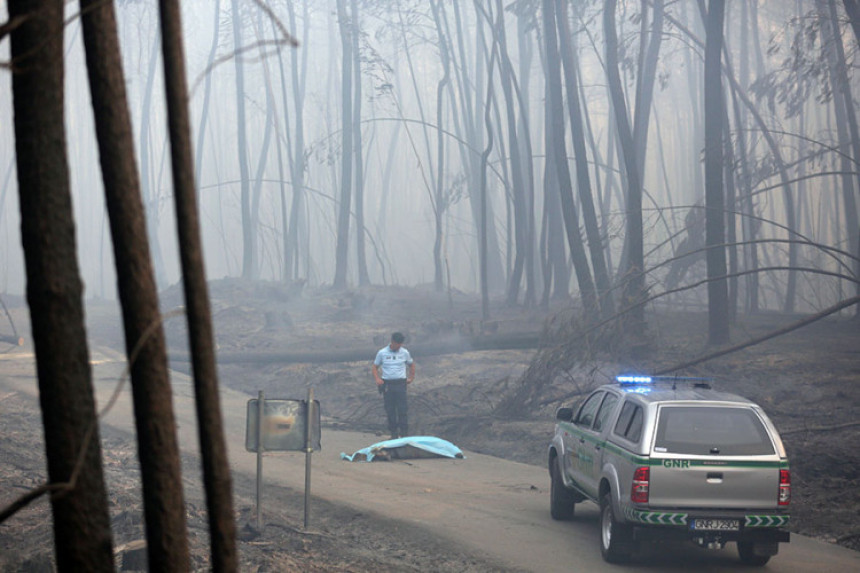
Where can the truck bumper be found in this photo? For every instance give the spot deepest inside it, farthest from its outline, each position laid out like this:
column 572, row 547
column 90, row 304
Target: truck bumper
column 755, row 535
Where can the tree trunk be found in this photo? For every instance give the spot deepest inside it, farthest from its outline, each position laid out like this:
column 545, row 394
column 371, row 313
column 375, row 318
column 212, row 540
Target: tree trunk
column 718, row 316
column 248, row 229
column 633, row 269
column 852, row 8
column 363, row 276
column 518, row 178
column 749, row 224
column 292, row 251
column 158, row 447
column 217, row 480
column 473, row 87
column 343, row 211
column 844, row 103
column 440, row 201
column 82, row 536
column 583, row 179
column 646, row 76
column 207, row 92
column 482, row 190
column 557, row 156
column 151, row 193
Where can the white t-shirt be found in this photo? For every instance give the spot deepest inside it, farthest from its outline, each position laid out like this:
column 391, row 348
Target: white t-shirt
column 392, row 365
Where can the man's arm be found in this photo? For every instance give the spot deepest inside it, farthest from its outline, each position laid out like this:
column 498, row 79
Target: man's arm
column 376, row 376
column 411, row 373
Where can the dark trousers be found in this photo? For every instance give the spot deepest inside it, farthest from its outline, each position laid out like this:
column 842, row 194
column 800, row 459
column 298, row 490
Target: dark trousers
column 396, row 408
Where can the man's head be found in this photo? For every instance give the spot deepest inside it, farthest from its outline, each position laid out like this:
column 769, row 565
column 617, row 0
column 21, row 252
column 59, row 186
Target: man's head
column 397, row 340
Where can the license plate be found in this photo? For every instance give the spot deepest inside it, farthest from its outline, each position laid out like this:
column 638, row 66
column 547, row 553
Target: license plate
column 715, row 524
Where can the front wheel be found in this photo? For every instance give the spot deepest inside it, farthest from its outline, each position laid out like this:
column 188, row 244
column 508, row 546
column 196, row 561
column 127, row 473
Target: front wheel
column 561, row 504
column 747, row 553
column 616, row 539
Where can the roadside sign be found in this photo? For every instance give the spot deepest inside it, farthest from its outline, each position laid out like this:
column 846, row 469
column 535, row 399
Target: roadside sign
column 284, row 425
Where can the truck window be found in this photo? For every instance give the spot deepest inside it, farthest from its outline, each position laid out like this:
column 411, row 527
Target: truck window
column 585, row 416
column 707, row 430
column 605, row 411
column 629, row 424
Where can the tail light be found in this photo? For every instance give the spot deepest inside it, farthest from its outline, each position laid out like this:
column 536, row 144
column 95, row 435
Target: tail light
column 641, row 481
column 784, row 487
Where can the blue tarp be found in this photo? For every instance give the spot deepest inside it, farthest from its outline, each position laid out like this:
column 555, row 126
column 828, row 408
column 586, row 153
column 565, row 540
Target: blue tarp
column 406, row 448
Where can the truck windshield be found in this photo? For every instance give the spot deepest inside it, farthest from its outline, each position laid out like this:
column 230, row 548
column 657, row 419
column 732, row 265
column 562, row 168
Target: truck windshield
column 716, row 431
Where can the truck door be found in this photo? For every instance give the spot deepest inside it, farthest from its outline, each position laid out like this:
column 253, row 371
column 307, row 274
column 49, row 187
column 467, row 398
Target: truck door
column 578, row 462
column 592, row 425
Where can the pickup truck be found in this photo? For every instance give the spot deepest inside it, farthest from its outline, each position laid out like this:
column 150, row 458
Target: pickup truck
column 672, row 459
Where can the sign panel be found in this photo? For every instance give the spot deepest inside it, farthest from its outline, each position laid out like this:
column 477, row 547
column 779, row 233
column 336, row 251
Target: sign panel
column 284, row 425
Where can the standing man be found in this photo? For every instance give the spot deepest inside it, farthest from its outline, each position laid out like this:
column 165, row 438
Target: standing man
column 389, row 371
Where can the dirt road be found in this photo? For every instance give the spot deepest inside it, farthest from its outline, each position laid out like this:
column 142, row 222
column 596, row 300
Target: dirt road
column 491, row 508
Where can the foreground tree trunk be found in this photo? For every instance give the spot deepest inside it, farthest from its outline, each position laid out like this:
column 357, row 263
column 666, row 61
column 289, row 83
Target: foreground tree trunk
column 217, row 480
column 158, row 447
column 82, row 537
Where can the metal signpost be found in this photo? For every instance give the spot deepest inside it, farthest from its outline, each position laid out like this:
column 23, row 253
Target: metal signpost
column 278, row 426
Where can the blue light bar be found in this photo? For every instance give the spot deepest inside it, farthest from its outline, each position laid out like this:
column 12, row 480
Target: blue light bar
column 634, row 379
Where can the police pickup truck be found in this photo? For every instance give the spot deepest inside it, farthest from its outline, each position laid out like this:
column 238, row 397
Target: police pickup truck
column 670, row 458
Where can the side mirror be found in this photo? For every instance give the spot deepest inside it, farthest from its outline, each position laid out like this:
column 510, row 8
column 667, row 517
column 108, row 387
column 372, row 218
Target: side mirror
column 564, row 414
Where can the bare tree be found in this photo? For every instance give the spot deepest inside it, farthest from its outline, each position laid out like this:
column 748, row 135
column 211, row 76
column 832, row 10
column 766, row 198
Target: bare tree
column 82, row 537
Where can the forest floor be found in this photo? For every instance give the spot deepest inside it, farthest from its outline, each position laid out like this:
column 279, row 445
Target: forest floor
column 808, row 381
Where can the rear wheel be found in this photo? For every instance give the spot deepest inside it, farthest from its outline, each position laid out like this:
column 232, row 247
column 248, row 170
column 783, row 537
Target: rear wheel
column 561, row 502
column 747, row 553
column 616, row 539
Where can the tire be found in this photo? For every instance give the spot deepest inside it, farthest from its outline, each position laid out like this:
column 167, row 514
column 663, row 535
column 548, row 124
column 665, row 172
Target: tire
column 616, row 539
column 746, row 551
column 561, row 502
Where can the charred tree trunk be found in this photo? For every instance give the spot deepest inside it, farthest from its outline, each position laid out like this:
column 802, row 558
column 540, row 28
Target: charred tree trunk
column 82, row 536
column 217, row 479
column 158, row 447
